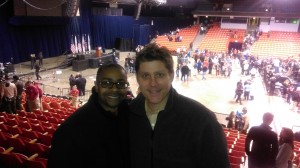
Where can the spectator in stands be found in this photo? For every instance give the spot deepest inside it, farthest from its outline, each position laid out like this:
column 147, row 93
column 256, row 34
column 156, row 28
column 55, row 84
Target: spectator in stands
column 8, row 96
column 2, row 83
column 32, row 96
column 264, row 148
column 286, row 148
column 20, row 87
column 96, row 135
column 245, row 120
column 36, row 84
column 230, row 120
column 160, row 111
column 74, row 95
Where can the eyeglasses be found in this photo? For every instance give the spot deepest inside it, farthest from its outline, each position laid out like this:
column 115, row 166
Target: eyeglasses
column 110, row 84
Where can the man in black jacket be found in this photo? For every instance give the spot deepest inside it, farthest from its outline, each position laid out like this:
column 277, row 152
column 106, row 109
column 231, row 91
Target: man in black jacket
column 96, row 135
column 168, row 130
column 264, row 144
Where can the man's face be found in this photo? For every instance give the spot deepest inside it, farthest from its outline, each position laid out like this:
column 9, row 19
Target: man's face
column 110, row 96
column 154, row 81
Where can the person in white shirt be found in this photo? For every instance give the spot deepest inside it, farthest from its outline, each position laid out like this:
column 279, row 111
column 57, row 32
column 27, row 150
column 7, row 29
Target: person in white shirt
column 8, row 96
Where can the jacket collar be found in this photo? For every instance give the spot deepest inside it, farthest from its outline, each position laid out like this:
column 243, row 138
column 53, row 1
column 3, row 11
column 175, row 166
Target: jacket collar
column 138, row 108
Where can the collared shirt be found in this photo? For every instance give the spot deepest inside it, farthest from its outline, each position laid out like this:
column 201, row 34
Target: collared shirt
column 32, row 92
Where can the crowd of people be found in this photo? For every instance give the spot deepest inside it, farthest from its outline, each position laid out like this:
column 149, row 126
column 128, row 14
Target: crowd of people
column 79, row 81
column 12, row 94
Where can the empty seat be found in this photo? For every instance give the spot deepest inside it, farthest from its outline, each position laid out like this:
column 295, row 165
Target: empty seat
column 38, row 148
column 36, row 163
column 45, row 139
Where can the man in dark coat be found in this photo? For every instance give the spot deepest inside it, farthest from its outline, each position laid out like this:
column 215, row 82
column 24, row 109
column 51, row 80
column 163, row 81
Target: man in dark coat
column 96, row 135
column 80, row 83
column 185, row 71
column 264, row 148
column 169, row 130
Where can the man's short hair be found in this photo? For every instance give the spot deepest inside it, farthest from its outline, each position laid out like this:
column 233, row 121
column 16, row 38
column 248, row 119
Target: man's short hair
column 268, row 117
column 152, row 52
column 105, row 66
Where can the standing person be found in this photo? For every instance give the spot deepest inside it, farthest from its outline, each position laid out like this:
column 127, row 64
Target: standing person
column 185, row 72
column 37, row 71
column 2, row 83
column 72, row 81
column 32, row 96
column 80, row 83
column 40, row 58
column 8, row 96
column 32, row 60
column 74, row 95
column 245, row 120
column 20, row 88
column 238, row 92
column 168, row 129
column 247, row 89
column 96, row 135
column 230, row 120
column 264, row 148
column 286, row 148
column 204, row 69
column 36, row 84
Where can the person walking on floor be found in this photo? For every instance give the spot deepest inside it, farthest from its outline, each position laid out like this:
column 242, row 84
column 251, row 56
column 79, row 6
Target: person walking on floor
column 37, row 71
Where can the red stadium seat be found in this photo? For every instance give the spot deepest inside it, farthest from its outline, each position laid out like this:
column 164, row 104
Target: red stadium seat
column 36, row 163
column 236, row 160
column 45, row 139
column 38, row 148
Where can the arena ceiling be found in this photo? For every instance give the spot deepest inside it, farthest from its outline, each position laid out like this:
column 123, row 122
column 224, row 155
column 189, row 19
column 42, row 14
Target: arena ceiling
column 244, row 8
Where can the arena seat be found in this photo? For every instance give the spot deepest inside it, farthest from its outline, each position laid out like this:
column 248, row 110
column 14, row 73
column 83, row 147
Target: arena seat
column 18, row 144
column 232, row 165
column 36, row 163
column 38, row 148
column 65, row 104
column 45, row 139
column 15, row 160
column 236, row 160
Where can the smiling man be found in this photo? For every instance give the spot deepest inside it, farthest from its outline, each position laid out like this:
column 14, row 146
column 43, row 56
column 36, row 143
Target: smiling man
column 96, row 135
column 166, row 128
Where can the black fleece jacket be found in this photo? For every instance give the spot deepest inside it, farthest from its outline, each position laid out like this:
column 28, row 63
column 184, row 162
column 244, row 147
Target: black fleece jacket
column 92, row 137
column 186, row 135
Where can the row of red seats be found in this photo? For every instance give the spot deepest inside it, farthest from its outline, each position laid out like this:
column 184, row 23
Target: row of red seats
column 20, row 152
column 236, row 148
